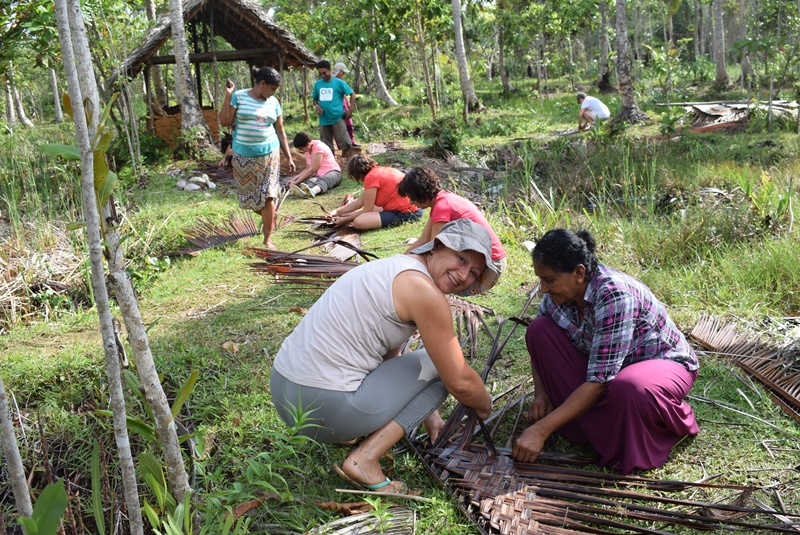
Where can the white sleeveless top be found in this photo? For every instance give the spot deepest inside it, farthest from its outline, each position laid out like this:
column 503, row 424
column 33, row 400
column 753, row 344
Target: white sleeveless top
column 345, row 335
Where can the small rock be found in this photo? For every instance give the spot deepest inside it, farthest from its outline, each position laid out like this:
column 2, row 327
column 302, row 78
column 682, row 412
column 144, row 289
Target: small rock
column 191, row 187
column 181, row 184
column 211, row 185
column 202, row 180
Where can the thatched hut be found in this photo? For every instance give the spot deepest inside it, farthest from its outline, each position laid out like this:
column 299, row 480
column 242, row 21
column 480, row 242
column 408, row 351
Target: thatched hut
column 255, row 38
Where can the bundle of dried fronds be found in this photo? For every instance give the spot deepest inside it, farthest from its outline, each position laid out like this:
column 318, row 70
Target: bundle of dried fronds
column 778, row 369
column 205, row 234
column 33, row 283
column 341, row 244
column 508, row 497
column 469, row 319
column 299, row 269
column 393, row 520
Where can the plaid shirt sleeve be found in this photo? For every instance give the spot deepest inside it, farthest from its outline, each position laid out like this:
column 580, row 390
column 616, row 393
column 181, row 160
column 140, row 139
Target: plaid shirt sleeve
column 614, row 317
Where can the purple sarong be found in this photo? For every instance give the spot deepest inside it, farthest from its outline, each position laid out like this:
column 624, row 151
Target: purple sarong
column 640, row 416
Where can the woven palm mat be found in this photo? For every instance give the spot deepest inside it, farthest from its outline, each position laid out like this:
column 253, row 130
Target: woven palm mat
column 503, row 496
column 777, row 368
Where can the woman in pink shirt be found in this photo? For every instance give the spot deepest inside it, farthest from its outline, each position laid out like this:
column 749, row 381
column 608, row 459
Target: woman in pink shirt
column 321, row 173
column 421, row 185
column 380, row 205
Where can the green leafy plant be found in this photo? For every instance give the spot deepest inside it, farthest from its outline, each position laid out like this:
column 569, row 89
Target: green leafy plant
column 105, row 180
column 47, row 512
column 381, row 512
column 771, row 205
column 444, row 137
column 668, row 120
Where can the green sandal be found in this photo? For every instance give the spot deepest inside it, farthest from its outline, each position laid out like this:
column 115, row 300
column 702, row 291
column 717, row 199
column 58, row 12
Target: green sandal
column 376, row 487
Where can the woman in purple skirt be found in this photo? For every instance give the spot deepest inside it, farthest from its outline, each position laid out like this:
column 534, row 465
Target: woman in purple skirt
column 609, row 365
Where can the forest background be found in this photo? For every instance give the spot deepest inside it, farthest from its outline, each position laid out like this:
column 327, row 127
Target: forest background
column 706, row 220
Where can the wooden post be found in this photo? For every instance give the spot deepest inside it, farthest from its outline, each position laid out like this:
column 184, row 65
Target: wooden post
column 149, row 92
column 305, row 94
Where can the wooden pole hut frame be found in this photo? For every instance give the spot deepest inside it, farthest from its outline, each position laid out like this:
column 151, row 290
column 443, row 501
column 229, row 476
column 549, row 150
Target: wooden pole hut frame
column 252, row 34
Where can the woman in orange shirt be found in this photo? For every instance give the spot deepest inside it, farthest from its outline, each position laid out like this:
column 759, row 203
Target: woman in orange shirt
column 380, row 205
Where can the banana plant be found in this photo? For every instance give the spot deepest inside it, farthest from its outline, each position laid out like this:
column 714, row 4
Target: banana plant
column 105, row 180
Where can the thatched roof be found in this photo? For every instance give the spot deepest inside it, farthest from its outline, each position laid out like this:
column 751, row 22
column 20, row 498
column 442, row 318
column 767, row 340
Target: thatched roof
column 242, row 23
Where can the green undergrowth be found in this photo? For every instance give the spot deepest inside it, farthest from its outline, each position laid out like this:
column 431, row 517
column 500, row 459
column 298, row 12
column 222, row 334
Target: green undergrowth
column 728, row 251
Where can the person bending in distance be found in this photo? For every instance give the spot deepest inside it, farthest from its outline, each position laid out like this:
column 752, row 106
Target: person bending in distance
column 609, row 365
column 342, row 364
column 592, row 109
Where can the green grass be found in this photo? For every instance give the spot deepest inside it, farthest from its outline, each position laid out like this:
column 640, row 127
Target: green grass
column 213, row 313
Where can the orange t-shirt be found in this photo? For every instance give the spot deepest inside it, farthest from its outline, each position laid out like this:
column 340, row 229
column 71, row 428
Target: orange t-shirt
column 386, row 180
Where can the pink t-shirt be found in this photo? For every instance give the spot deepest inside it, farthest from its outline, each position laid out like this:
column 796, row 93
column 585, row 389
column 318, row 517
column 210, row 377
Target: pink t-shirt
column 386, row 180
column 449, row 207
column 328, row 161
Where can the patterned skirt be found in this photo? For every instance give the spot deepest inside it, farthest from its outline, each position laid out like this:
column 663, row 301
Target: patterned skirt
column 257, row 179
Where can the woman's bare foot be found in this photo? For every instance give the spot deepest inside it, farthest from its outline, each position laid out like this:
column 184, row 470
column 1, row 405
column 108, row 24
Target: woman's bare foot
column 269, row 244
column 433, row 425
column 356, row 472
column 363, row 464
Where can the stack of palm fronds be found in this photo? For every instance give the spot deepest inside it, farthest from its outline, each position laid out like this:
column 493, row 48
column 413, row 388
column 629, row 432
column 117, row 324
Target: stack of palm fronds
column 778, row 369
column 298, row 269
column 205, row 234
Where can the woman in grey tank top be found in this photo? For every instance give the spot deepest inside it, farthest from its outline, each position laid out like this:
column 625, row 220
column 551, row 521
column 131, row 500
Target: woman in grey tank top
column 342, row 364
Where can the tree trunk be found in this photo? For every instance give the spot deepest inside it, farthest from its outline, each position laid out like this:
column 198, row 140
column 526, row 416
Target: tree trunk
column 697, row 29
column 11, row 115
column 470, row 97
column 722, row 79
column 16, row 472
column 501, row 61
column 741, row 33
column 192, row 120
column 59, row 115
column 18, row 108
column 423, row 59
column 159, row 89
column 78, row 73
column 629, row 111
column 153, row 391
column 604, row 82
column 380, row 87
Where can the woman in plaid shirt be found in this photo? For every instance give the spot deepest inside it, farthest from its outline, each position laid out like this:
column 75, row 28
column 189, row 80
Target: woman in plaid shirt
column 609, row 365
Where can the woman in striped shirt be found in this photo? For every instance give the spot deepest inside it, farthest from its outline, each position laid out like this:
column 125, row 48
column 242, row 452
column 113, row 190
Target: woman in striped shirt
column 258, row 139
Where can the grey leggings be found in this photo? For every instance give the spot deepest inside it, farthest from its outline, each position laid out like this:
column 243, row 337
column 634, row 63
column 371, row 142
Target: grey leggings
column 329, row 180
column 406, row 389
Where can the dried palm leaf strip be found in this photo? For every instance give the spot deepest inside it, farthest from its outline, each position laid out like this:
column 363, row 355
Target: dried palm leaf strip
column 468, row 415
column 775, row 368
column 206, row 234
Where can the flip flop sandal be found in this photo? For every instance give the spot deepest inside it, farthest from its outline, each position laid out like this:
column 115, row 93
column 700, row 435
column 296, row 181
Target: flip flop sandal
column 376, row 487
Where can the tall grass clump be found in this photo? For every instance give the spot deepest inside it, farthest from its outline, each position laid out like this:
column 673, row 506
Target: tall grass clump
column 33, row 187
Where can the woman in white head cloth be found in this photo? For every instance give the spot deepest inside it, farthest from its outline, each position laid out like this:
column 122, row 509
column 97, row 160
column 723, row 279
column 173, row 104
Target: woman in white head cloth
column 342, row 364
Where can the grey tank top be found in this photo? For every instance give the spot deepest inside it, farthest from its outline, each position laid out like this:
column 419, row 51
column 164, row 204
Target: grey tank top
column 349, row 329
